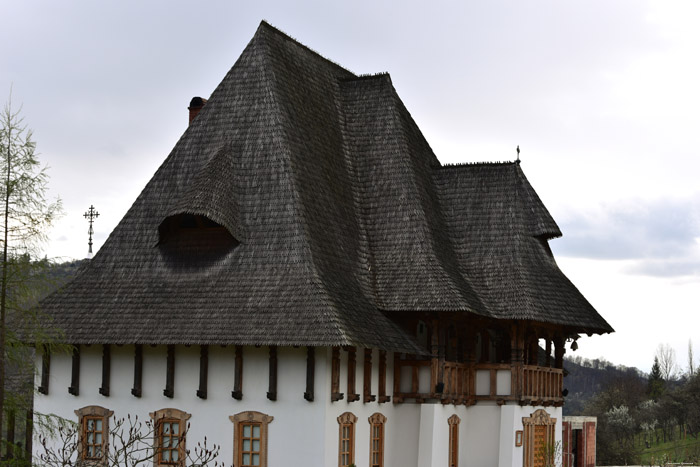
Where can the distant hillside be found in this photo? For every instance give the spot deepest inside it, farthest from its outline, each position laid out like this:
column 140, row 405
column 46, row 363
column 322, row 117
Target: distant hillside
column 586, row 378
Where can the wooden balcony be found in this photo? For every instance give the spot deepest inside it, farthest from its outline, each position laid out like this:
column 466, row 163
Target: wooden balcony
column 463, row 383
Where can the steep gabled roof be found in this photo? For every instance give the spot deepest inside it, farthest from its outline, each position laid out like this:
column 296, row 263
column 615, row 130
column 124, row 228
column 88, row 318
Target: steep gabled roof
column 327, row 208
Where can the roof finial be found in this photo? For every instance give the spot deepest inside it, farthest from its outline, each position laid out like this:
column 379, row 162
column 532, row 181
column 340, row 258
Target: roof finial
column 517, row 149
column 91, row 215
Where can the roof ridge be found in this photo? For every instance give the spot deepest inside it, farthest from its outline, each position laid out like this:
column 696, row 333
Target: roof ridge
column 471, row 164
column 286, row 36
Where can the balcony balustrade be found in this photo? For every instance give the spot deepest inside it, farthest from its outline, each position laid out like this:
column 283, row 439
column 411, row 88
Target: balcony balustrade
column 467, row 383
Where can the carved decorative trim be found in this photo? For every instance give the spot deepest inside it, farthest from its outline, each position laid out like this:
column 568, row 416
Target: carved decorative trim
column 93, row 411
column 453, row 420
column 169, row 415
column 539, row 417
column 347, row 417
column 250, row 416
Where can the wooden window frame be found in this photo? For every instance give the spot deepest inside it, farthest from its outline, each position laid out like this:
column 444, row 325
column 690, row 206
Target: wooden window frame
column 376, row 420
column 169, row 415
column 347, row 419
column 93, row 412
column 249, row 417
column 453, row 423
column 539, row 417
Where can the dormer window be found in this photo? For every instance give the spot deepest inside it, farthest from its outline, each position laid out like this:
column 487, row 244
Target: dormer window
column 194, row 238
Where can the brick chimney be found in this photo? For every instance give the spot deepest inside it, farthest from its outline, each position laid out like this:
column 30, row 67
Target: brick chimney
column 196, row 104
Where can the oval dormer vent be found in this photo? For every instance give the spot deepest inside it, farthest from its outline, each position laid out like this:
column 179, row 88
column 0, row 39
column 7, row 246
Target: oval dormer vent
column 194, row 239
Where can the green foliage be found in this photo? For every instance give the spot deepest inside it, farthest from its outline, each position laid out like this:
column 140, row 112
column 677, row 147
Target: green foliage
column 656, row 381
column 25, row 216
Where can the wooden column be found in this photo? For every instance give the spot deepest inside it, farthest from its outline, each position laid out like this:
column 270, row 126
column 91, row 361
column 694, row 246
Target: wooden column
column 237, row 392
column 45, row 370
column 106, row 366
column 169, row 390
column 382, row 378
column 559, row 351
column 203, row 371
column 138, row 370
column 352, row 367
column 367, row 395
column 336, row 395
column 272, row 386
column 74, row 387
column 310, row 369
column 517, row 354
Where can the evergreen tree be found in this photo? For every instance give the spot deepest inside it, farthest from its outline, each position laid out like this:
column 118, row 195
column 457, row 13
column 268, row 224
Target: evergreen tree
column 656, row 381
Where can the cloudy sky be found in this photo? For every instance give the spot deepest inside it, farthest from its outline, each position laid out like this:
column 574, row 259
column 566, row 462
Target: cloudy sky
column 601, row 96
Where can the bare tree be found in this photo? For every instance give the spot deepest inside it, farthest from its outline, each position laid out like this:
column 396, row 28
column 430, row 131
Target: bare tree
column 667, row 362
column 130, row 443
column 691, row 362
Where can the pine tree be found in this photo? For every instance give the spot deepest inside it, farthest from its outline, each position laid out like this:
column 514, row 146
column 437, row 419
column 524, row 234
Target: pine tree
column 656, row 381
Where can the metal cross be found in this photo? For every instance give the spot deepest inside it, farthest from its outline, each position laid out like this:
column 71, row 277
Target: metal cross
column 91, row 215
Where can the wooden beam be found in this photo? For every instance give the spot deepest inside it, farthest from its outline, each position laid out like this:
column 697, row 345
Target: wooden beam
column 169, row 390
column 336, row 395
column 310, row 368
column 272, row 386
column 203, row 371
column 138, row 370
column 382, row 378
column 106, row 365
column 237, row 392
column 74, row 387
column 45, row 370
column 367, row 395
column 352, row 367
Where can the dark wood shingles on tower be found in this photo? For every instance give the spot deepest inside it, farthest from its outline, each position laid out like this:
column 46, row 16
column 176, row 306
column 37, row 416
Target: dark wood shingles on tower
column 303, row 206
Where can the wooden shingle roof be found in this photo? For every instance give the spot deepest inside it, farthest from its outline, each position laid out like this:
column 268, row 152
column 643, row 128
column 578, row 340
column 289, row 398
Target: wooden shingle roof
column 336, row 211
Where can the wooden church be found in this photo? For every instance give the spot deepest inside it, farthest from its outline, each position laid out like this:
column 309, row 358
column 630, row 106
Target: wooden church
column 303, row 283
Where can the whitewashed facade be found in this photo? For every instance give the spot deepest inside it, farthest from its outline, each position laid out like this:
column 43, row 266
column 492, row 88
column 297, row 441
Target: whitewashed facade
column 416, row 435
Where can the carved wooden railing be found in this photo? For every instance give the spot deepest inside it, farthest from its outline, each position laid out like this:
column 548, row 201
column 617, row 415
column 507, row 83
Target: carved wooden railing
column 463, row 383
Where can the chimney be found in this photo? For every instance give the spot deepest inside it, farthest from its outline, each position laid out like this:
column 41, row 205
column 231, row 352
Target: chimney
column 196, row 104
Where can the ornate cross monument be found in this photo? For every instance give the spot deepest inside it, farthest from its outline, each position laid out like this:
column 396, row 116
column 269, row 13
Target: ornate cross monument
column 91, row 215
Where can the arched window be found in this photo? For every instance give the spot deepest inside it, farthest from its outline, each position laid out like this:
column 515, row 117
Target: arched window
column 376, row 440
column 94, row 435
column 170, row 431
column 346, row 443
column 250, row 438
column 453, row 423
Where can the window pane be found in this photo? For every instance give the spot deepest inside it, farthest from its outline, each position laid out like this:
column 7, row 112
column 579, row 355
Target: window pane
column 176, row 455
column 98, row 438
column 176, row 428
column 90, row 437
column 256, row 445
column 246, row 445
column 256, row 459
column 256, row 431
column 246, row 459
column 246, row 431
column 166, row 456
column 98, row 451
column 166, row 428
column 98, row 425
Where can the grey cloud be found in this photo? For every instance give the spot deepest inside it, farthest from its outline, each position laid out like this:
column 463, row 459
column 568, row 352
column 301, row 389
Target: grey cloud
column 659, row 235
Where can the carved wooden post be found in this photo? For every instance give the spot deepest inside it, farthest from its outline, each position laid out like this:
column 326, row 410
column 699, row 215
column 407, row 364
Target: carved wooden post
column 336, row 395
column 74, row 387
column 310, row 368
column 138, row 370
column 272, row 388
column 169, row 390
column 106, row 364
column 237, row 392
column 203, row 371
column 352, row 367
column 367, row 395
column 382, row 378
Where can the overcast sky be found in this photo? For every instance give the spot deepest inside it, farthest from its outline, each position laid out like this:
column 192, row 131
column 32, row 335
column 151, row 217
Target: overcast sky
column 602, row 97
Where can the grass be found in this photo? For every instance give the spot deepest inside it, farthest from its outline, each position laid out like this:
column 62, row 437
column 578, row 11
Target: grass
column 681, row 449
